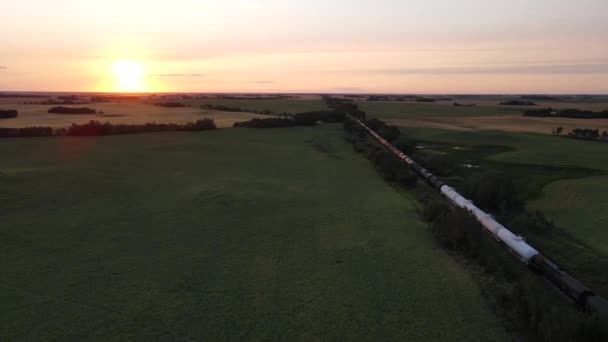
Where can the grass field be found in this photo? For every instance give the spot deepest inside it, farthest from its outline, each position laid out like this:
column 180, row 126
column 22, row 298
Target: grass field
column 404, row 110
column 581, row 205
column 576, row 205
column 278, row 106
column 487, row 115
column 234, row 234
column 508, row 123
column 128, row 113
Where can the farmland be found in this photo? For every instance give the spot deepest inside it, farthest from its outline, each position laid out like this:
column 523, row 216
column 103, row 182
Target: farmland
column 225, row 235
column 534, row 161
column 120, row 113
column 486, row 115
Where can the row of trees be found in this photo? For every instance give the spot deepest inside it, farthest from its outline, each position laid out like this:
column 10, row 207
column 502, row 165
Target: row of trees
column 8, row 113
column 71, row 110
column 300, row 119
column 583, row 133
column 171, row 104
column 96, row 128
column 519, row 297
column 517, row 103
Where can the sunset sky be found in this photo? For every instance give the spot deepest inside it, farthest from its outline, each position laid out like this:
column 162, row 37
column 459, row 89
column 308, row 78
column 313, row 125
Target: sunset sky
column 397, row 46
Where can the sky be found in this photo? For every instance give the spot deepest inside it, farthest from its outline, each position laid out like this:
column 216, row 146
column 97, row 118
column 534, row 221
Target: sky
column 356, row 46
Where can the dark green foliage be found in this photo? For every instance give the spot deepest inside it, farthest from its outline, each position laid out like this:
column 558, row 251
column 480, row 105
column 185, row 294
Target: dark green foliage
column 96, row 128
column 71, row 110
column 221, row 108
column 26, row 132
column 494, row 191
column 517, row 103
column 8, row 113
column 424, row 99
column 300, row 119
column 540, row 98
column 171, row 104
column 311, row 118
column 390, row 133
column 585, row 133
column 266, row 123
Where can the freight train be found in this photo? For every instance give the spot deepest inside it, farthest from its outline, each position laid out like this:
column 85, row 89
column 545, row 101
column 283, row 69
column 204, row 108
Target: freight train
column 573, row 289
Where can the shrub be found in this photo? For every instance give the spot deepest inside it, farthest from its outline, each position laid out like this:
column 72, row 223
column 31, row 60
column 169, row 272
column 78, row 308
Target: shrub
column 8, row 114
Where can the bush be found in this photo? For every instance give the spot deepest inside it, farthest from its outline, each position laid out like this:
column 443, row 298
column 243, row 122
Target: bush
column 8, row 114
column 494, row 191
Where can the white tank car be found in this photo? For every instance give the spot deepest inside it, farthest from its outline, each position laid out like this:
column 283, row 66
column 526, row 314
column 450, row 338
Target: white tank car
column 517, row 245
column 489, row 223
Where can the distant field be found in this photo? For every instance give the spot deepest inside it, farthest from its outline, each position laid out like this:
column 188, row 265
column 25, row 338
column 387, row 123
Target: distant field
column 129, row 113
column 577, row 206
column 405, row 110
column 235, row 234
column 509, row 123
column 277, row 106
column 486, row 115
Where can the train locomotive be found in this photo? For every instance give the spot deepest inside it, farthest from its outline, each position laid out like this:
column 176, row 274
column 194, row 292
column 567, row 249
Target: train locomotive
column 573, row 289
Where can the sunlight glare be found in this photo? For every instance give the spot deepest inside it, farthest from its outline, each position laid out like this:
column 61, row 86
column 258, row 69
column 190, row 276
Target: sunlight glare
column 128, row 76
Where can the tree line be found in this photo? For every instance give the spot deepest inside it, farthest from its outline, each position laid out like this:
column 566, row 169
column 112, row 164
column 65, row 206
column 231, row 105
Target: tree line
column 72, row 110
column 517, row 103
column 171, row 104
column 300, row 119
column 96, row 128
column 8, row 113
column 584, row 133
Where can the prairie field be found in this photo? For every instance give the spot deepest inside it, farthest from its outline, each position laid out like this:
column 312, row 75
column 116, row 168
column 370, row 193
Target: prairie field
column 486, row 115
column 234, row 234
column 120, row 113
column 508, row 123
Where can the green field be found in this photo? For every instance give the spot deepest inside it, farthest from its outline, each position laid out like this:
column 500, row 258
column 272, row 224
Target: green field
column 581, row 205
column 404, row 110
column 575, row 205
column 234, row 234
column 278, row 106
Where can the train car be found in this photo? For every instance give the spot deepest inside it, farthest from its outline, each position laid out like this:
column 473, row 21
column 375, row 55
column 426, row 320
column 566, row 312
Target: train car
column 598, row 306
column 517, row 245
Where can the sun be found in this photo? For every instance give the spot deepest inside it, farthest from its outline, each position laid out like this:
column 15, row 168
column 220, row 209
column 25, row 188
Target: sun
column 128, row 76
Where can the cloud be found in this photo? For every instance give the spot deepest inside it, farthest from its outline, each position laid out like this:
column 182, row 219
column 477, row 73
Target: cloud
column 177, row 75
column 262, row 82
column 512, row 69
